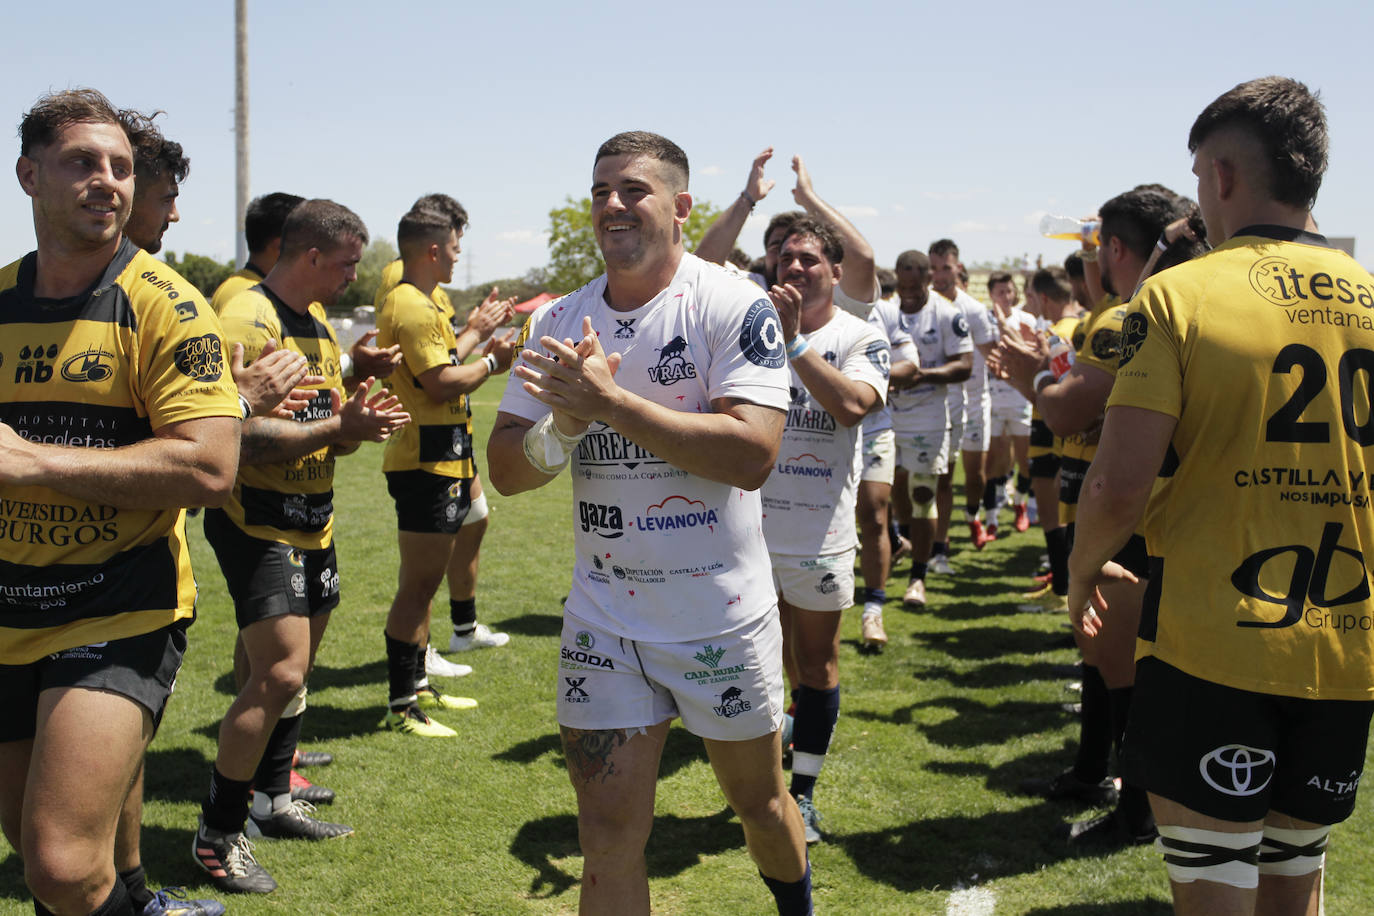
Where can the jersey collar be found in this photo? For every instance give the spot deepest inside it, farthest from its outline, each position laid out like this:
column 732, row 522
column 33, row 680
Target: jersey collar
column 1284, row 234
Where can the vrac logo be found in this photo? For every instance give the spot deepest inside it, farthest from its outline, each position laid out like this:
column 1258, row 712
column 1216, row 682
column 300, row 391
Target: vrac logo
column 1237, row 770
column 672, row 364
column 732, row 703
column 90, row 365
column 35, row 364
column 1312, row 577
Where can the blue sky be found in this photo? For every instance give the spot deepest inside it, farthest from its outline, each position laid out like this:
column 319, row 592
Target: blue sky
column 918, row 120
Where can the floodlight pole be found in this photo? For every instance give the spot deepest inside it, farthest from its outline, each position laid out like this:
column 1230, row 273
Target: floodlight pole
column 240, row 128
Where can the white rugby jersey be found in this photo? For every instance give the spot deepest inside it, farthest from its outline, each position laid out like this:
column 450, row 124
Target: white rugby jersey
column 982, row 330
column 808, row 500
column 1003, row 395
column 940, row 334
column 903, row 350
column 663, row 555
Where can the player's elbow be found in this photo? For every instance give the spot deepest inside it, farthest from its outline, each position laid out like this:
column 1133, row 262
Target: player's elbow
column 212, row 482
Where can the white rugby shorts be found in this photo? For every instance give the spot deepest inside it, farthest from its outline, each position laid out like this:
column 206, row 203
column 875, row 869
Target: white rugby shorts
column 879, row 457
column 815, row 583
column 727, row 688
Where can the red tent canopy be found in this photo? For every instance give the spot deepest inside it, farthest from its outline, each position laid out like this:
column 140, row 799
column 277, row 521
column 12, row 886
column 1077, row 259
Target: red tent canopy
column 530, row 305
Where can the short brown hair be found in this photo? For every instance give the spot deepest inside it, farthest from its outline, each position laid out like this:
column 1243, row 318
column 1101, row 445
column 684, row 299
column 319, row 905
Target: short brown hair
column 1052, row 283
column 1000, row 276
column 423, row 227
column 320, row 224
column 57, row 110
column 1287, row 120
column 644, row 143
column 155, row 155
column 444, row 204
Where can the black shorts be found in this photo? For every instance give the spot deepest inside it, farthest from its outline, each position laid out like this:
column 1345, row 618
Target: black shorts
column 143, row 668
column 1236, row 755
column 1044, row 466
column 268, row 579
column 429, row 503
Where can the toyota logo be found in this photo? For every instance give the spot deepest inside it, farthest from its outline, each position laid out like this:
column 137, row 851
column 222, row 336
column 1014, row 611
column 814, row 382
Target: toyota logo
column 1237, row 770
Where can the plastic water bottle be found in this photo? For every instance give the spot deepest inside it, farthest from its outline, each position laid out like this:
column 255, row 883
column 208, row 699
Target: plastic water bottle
column 1070, row 229
column 1061, row 356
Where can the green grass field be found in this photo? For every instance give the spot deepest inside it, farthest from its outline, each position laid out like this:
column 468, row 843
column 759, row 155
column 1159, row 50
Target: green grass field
column 918, row 794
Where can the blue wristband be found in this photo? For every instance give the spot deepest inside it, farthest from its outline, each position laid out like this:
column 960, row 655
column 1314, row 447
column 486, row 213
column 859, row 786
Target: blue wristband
column 797, row 347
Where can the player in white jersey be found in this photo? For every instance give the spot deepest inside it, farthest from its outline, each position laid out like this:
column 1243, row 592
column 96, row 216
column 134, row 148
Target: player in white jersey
column 671, row 611
column 839, row 373
column 920, row 411
column 1009, row 437
column 968, row 405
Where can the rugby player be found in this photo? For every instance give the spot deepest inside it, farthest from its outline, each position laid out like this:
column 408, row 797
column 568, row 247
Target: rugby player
column 1010, row 413
column 274, row 543
column 1253, row 683
column 942, row 355
column 1072, row 406
column 262, row 222
column 671, row 610
column 117, row 412
column 429, row 466
column 839, row 367
column 969, row 418
column 467, row 632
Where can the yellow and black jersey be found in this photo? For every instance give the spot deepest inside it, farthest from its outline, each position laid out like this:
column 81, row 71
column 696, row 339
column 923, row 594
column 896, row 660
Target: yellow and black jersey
column 291, row 502
column 438, row 438
column 138, row 351
column 1264, row 352
column 247, row 277
column 1099, row 346
column 391, row 276
column 1043, row 441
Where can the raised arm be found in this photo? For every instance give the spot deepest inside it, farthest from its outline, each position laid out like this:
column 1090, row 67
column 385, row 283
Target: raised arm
column 859, row 280
column 721, row 235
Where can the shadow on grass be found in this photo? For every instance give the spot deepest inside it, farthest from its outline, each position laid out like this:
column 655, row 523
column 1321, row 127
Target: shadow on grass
column 942, row 852
column 680, row 749
column 324, row 722
column 176, row 774
column 677, row 843
column 986, row 643
column 1144, row 907
column 12, row 886
column 550, row 624
column 1001, row 674
column 323, row 676
column 976, row 723
column 1008, row 777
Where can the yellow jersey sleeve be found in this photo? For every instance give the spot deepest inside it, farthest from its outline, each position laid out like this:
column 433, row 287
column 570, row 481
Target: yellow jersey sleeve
column 1149, row 371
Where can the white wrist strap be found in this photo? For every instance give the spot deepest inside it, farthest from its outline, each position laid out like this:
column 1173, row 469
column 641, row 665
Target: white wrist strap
column 547, row 448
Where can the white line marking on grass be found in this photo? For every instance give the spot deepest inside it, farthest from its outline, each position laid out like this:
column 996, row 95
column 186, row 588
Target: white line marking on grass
column 972, row 901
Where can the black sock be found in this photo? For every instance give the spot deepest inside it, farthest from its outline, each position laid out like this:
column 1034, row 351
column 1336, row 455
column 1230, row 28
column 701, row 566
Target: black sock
column 226, row 808
column 117, row 904
column 273, row 777
column 463, row 614
column 991, row 491
column 918, row 571
column 400, row 673
column 1023, row 483
column 971, row 508
column 894, row 531
column 939, row 548
column 421, row 675
column 904, row 531
column 135, row 882
column 793, row 897
column 1057, row 544
column 1119, row 700
column 1094, row 728
column 817, row 712
column 878, row 595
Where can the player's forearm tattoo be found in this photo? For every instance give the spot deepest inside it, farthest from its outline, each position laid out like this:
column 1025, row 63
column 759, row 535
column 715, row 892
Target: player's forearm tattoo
column 269, row 440
column 588, row 753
